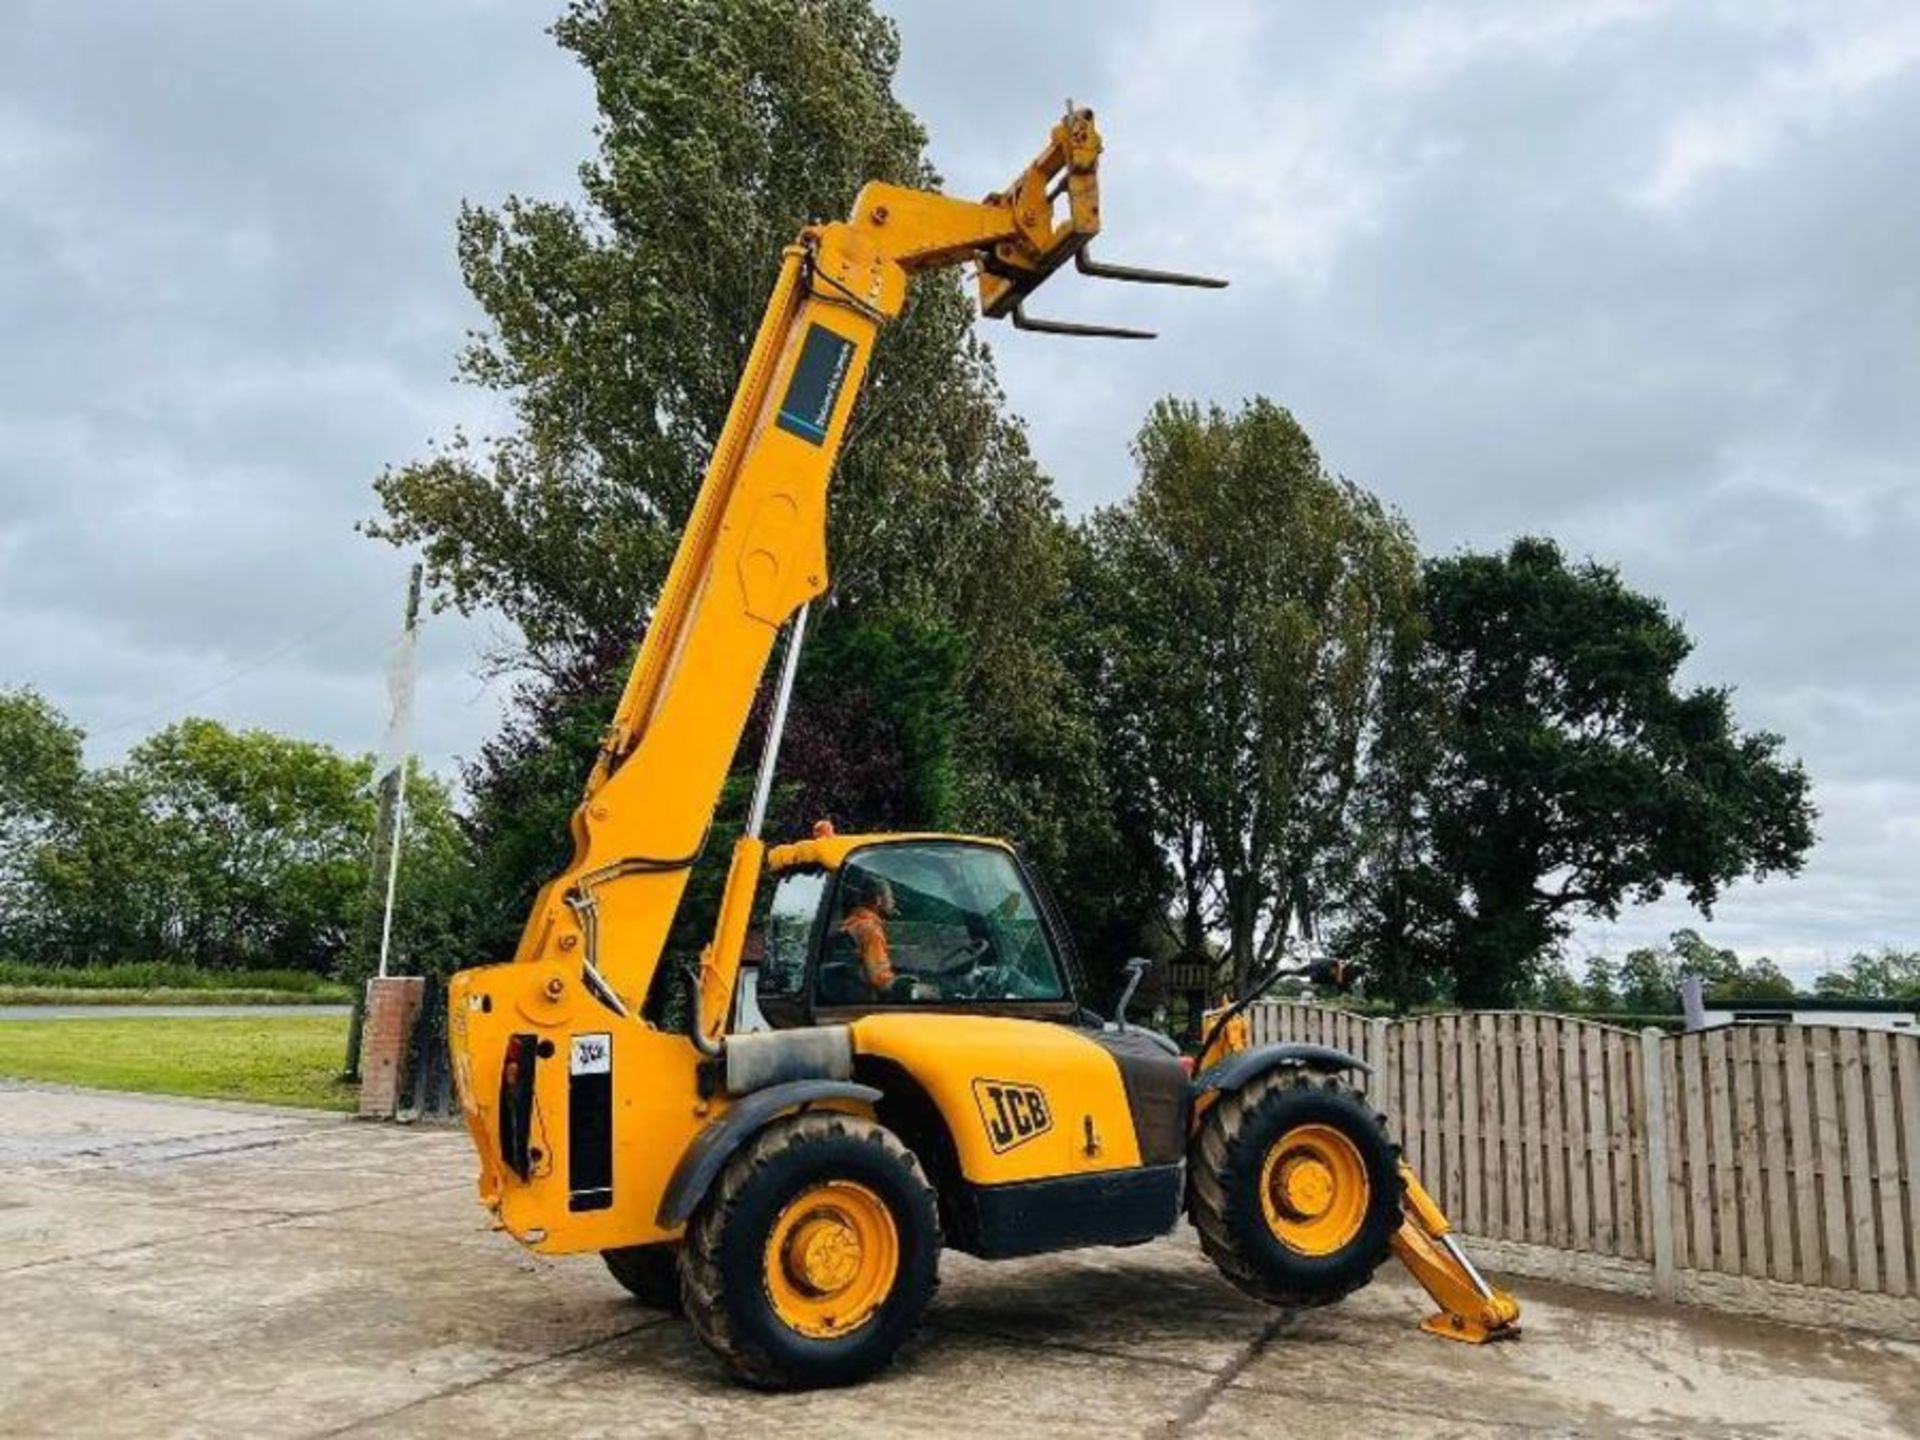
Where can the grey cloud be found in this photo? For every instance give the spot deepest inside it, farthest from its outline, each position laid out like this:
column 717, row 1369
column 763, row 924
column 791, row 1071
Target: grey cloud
column 228, row 286
column 1636, row 274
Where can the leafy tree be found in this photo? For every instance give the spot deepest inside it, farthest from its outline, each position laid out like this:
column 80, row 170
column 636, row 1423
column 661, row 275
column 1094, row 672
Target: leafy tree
column 224, row 849
column 101, row 881
column 1762, row 979
column 1554, row 987
column 1723, row 973
column 77, row 858
column 207, row 847
column 618, row 326
column 1390, row 897
column 872, row 741
column 1247, row 604
column 1649, row 981
column 41, row 772
column 1599, row 989
column 259, row 835
column 1577, row 775
column 434, row 891
column 1887, row 974
column 521, row 788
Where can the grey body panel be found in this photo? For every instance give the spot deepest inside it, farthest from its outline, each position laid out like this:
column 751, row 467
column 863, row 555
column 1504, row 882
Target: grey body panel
column 760, row 1060
column 1159, row 1096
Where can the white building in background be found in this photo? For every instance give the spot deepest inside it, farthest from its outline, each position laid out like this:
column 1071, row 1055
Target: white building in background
column 1705, row 1014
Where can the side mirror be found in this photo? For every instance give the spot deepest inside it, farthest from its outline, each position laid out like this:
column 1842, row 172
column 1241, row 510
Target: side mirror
column 1136, row 969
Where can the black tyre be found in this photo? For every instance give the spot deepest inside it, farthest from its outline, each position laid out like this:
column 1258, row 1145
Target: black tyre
column 1294, row 1186
column 813, row 1258
column 651, row 1274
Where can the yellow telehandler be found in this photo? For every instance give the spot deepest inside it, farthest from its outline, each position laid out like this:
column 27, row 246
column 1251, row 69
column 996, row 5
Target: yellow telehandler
column 906, row 1063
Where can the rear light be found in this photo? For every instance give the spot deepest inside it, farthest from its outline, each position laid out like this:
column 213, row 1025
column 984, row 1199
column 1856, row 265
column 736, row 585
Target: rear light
column 1186, row 1064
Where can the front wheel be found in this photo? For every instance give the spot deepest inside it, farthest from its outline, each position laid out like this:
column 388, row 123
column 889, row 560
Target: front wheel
column 1295, row 1189
column 813, row 1258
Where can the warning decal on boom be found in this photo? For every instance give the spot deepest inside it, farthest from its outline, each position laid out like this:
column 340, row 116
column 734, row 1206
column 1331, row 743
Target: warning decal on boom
column 817, row 378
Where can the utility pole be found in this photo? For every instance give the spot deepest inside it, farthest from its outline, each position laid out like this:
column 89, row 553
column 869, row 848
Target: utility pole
column 383, row 871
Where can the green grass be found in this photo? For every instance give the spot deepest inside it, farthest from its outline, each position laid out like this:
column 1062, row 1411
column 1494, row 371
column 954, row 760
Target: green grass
column 159, row 975
column 281, row 1061
column 150, row 982
column 61, row 995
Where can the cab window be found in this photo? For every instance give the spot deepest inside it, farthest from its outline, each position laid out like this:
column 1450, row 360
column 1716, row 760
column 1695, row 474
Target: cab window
column 932, row 923
column 787, row 933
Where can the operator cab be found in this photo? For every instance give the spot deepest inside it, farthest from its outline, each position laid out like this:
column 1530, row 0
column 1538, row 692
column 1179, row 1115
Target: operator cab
column 856, row 925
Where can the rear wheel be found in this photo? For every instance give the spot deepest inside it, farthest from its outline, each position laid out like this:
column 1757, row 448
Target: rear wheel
column 651, row 1273
column 812, row 1259
column 1295, row 1189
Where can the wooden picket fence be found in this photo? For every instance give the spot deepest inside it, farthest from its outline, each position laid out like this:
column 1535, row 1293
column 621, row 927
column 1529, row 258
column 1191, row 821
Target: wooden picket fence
column 1780, row 1152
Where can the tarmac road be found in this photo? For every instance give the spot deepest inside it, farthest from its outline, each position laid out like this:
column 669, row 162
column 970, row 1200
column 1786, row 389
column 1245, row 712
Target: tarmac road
column 189, row 1268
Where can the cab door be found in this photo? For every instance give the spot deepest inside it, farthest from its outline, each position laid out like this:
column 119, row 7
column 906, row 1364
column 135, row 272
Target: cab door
column 935, row 925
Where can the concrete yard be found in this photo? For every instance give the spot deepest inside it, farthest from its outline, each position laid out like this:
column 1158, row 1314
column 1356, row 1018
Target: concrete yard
column 189, row 1268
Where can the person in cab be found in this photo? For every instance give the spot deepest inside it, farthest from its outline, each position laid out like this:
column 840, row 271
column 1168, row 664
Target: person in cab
column 870, row 904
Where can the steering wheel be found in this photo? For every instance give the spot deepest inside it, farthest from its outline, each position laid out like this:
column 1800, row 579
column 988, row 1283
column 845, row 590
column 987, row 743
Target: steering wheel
column 971, row 950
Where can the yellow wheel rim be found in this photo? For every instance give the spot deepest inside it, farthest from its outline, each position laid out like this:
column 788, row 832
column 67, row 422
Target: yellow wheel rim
column 1314, row 1189
column 831, row 1259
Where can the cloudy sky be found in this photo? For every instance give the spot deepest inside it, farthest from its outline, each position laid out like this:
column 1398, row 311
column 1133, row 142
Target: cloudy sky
column 1638, row 275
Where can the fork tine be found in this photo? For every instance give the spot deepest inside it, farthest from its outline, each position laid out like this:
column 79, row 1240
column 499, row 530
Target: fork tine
column 1138, row 275
column 1024, row 321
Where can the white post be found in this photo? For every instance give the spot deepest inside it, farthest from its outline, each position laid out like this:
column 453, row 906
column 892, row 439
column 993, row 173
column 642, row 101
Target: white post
column 393, row 864
column 400, row 737
column 1660, row 1197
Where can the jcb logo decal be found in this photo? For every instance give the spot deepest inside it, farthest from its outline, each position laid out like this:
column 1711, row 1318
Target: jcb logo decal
column 1014, row 1113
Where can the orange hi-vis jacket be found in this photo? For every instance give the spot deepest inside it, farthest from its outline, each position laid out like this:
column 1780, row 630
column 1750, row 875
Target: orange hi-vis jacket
column 869, row 934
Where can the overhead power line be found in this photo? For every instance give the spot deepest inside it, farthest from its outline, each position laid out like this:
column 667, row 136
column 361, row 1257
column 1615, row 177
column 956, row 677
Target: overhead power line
column 252, row 667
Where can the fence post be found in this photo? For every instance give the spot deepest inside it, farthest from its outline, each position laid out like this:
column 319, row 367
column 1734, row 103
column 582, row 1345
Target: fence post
column 1659, row 1198
column 1380, row 1056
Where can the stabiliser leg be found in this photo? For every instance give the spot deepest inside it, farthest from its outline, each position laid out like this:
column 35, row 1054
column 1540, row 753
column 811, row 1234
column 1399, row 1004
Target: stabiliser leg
column 1471, row 1310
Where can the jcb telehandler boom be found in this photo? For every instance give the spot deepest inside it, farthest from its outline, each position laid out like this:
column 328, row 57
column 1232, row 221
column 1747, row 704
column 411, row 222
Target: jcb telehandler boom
column 909, row 1066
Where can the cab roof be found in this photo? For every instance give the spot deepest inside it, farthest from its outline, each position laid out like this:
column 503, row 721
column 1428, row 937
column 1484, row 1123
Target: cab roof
column 828, row 850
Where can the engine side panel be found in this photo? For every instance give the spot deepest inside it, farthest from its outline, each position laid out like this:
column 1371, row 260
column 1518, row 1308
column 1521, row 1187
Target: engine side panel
column 1022, row 1099
column 1159, row 1093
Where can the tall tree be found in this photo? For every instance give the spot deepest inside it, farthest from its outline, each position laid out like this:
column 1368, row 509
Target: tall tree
column 227, row 848
column 260, row 834
column 1576, row 773
column 617, row 327
column 1387, row 897
column 101, row 884
column 41, row 773
column 1249, row 604
column 1888, row 974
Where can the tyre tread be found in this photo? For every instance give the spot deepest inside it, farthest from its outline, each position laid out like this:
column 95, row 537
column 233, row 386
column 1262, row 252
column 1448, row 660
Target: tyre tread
column 702, row 1285
column 1210, row 1204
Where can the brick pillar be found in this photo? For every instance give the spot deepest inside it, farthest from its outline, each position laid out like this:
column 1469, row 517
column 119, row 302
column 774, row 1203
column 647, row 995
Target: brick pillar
column 393, row 1004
